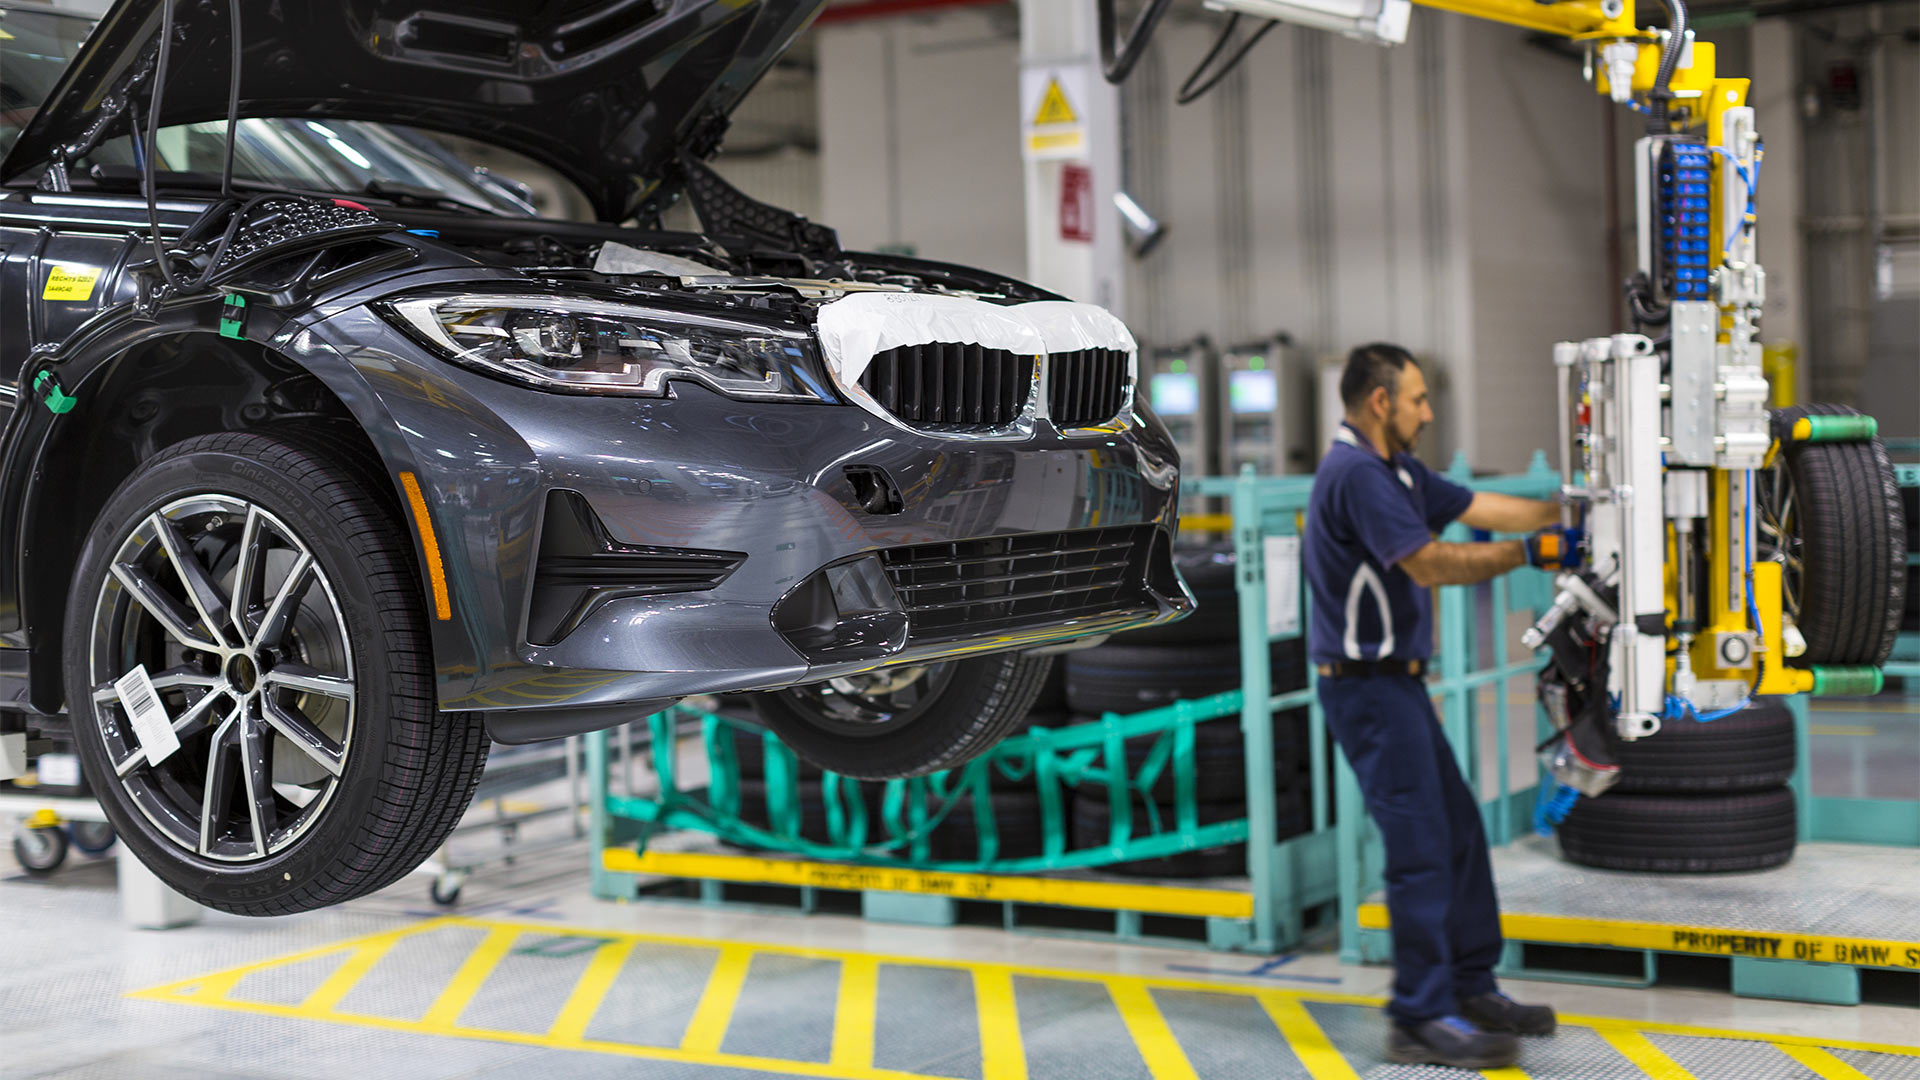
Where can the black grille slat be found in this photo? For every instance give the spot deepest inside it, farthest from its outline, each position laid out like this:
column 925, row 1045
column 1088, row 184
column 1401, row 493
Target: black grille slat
column 950, row 383
column 967, row 588
column 1086, row 387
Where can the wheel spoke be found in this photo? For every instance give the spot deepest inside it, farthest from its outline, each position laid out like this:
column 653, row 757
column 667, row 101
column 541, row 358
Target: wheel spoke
column 185, row 677
column 222, row 763
column 302, row 733
column 201, row 590
column 304, row 678
column 164, row 609
column 246, row 574
column 279, row 617
column 255, row 774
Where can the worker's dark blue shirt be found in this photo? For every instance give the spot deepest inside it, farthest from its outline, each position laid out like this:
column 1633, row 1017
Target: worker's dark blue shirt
column 1365, row 515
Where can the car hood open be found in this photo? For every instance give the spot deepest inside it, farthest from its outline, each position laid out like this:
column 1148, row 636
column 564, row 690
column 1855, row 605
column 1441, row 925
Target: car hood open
column 608, row 92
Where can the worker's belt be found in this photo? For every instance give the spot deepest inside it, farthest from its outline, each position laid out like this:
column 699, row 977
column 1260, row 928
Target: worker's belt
column 1347, row 669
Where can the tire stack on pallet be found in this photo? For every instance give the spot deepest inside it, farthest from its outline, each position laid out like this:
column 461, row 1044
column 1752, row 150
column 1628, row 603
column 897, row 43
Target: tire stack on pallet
column 1194, row 658
column 1696, row 798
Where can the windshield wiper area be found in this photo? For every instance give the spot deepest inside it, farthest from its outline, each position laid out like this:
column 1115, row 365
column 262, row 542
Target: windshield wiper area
column 403, row 194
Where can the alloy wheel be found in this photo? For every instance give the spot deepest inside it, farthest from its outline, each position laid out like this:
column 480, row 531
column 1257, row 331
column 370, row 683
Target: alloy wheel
column 242, row 637
column 874, row 701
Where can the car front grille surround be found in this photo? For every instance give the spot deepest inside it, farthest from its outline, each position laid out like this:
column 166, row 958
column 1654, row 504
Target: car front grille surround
column 961, row 387
column 974, row 588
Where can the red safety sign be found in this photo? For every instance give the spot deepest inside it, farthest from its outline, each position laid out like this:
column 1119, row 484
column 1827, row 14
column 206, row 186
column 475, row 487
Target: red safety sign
column 1076, row 202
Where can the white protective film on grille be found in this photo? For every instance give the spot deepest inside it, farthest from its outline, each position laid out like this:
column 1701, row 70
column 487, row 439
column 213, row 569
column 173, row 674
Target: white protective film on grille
column 854, row 328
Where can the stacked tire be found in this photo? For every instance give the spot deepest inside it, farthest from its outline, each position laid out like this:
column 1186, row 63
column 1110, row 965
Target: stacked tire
column 1194, row 658
column 1695, row 798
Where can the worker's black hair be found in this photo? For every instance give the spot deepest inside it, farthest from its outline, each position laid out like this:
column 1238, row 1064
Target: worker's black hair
column 1368, row 366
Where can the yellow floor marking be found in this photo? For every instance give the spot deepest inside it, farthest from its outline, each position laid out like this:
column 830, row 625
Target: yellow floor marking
column 1824, row 1065
column 709, row 1025
column 1001, row 1043
column 1638, row 1049
column 854, row 1014
column 571, row 1023
column 1151, row 1034
column 1508, row 1073
column 1003, row 1054
column 1303, row 1035
column 328, row 994
column 1856, row 730
column 465, row 983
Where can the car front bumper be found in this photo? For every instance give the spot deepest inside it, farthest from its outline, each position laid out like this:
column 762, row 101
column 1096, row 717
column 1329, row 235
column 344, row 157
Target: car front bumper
column 767, row 483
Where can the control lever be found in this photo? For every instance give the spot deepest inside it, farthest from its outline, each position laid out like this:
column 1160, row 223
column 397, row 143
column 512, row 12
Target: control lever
column 1575, row 594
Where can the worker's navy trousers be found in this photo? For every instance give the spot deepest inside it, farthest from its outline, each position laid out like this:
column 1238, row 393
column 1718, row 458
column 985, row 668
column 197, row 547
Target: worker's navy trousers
column 1446, row 921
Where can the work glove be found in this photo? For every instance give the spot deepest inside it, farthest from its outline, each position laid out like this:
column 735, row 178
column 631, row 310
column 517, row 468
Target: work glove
column 1557, row 547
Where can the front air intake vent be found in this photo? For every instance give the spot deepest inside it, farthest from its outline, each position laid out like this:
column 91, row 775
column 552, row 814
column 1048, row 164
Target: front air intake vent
column 975, row 588
column 1086, row 387
column 950, row 384
column 582, row 567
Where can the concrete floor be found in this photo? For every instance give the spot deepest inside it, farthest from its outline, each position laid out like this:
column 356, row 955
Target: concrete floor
column 532, row 977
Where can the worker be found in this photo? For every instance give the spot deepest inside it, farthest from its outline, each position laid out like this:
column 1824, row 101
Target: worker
column 1370, row 559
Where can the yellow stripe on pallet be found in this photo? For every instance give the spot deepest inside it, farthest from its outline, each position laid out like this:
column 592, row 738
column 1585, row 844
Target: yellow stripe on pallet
column 1151, row 1034
column 1003, row 1056
column 1064, row 892
column 1508, row 1073
column 466, row 982
column 709, row 1025
column 570, row 1025
column 854, row 1013
column 1645, row 1056
column 1710, row 940
column 1823, row 1064
column 1303, row 1035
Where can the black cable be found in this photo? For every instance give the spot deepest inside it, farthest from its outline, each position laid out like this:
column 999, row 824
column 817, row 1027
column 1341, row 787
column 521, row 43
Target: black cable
column 1116, row 68
column 153, row 135
column 1662, row 92
column 233, row 95
column 1190, row 93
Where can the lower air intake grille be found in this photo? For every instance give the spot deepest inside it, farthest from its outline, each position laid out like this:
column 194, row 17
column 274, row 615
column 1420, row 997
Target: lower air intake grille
column 948, row 383
column 968, row 588
column 1086, row 387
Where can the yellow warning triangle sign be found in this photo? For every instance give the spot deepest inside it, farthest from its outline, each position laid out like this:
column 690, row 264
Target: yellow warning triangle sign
column 1054, row 108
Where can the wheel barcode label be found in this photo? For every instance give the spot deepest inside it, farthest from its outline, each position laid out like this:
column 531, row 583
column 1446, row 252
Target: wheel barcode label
column 151, row 724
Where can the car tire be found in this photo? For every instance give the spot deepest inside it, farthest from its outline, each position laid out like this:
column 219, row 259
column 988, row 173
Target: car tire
column 1832, row 513
column 1682, row 834
column 324, row 689
column 1751, row 750
column 895, row 723
column 1016, row 820
column 1220, row 757
column 1209, row 573
column 1133, row 678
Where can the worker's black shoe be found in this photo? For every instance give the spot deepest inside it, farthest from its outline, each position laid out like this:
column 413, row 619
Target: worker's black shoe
column 1451, row 1040
column 1498, row 1012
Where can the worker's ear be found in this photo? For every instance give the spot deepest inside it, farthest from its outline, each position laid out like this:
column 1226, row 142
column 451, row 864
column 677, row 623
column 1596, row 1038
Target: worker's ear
column 1380, row 403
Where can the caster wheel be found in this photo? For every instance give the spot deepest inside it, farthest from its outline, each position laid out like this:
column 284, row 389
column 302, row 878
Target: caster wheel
column 93, row 837
column 445, row 892
column 40, row 851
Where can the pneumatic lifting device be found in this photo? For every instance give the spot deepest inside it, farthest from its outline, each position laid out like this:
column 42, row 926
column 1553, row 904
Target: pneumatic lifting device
column 1734, row 550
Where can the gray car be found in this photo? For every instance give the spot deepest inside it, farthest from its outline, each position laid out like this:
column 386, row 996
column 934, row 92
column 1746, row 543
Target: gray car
column 310, row 491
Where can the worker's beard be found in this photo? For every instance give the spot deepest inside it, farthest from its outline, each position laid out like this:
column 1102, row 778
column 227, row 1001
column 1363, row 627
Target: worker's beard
column 1399, row 444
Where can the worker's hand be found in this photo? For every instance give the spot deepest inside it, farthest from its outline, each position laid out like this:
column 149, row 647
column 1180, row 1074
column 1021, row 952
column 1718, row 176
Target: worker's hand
column 1557, row 547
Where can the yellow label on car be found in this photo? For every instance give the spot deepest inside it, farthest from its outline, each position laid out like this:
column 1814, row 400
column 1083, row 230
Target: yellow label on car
column 71, row 283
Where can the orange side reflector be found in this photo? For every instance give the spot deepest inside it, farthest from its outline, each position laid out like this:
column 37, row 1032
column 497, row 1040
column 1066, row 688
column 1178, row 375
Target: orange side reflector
column 430, row 546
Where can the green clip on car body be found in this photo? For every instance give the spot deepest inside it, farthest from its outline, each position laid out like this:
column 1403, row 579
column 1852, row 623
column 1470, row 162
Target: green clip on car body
column 233, row 315
column 56, row 399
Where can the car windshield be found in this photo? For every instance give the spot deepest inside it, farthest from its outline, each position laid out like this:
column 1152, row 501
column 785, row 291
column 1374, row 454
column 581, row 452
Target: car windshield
column 342, row 156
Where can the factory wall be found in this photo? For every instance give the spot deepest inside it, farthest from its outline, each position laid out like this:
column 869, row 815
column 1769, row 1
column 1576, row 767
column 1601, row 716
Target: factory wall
column 1444, row 194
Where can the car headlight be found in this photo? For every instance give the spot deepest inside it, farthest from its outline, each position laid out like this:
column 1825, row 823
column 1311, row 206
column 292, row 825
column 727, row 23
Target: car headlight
column 600, row 347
